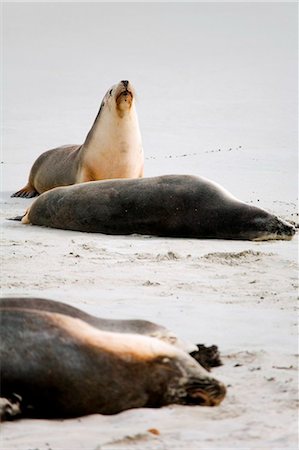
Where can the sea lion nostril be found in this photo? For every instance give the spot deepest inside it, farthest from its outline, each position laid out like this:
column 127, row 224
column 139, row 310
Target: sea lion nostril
column 125, row 83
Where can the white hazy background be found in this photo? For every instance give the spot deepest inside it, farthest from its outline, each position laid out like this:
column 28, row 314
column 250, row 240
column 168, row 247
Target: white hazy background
column 209, row 77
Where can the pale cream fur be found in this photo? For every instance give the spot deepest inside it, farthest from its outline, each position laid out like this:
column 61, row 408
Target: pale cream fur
column 113, row 148
column 126, row 345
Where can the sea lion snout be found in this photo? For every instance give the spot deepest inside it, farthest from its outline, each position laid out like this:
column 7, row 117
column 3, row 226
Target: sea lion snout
column 124, row 87
column 274, row 228
column 210, row 393
column 124, row 96
column 286, row 229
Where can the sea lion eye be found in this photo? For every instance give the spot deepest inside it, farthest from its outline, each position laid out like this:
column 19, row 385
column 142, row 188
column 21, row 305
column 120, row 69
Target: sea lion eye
column 110, row 92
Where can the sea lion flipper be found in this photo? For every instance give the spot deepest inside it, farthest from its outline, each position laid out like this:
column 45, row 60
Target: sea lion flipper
column 26, row 192
column 10, row 408
column 16, row 218
column 208, row 357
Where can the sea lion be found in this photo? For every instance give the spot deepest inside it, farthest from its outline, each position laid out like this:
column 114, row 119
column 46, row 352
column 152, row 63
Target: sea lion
column 169, row 205
column 208, row 357
column 60, row 367
column 112, row 148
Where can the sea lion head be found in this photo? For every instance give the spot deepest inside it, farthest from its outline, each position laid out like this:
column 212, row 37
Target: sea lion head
column 253, row 223
column 260, row 225
column 273, row 227
column 192, row 384
column 119, row 98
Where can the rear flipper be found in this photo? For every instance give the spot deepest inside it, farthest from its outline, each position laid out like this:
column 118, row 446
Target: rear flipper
column 10, row 408
column 27, row 192
column 207, row 357
column 17, row 218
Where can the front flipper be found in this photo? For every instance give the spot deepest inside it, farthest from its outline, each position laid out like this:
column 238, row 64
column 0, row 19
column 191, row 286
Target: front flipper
column 10, row 408
column 207, row 357
column 26, row 192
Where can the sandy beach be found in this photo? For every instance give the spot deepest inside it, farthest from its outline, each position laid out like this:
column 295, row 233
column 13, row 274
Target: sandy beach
column 226, row 111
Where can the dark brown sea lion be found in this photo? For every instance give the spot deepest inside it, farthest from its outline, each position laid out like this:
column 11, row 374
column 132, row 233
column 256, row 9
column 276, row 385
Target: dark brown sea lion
column 60, row 366
column 170, row 205
column 112, row 149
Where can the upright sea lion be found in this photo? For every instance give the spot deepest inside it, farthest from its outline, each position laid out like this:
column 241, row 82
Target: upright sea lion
column 170, row 205
column 112, row 149
column 208, row 357
column 60, row 366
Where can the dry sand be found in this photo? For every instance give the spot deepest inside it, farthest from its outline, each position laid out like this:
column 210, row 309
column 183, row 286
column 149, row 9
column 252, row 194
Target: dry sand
column 238, row 295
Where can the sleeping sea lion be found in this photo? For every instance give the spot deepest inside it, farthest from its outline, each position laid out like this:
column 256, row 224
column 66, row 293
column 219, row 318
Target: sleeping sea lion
column 170, row 205
column 60, row 366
